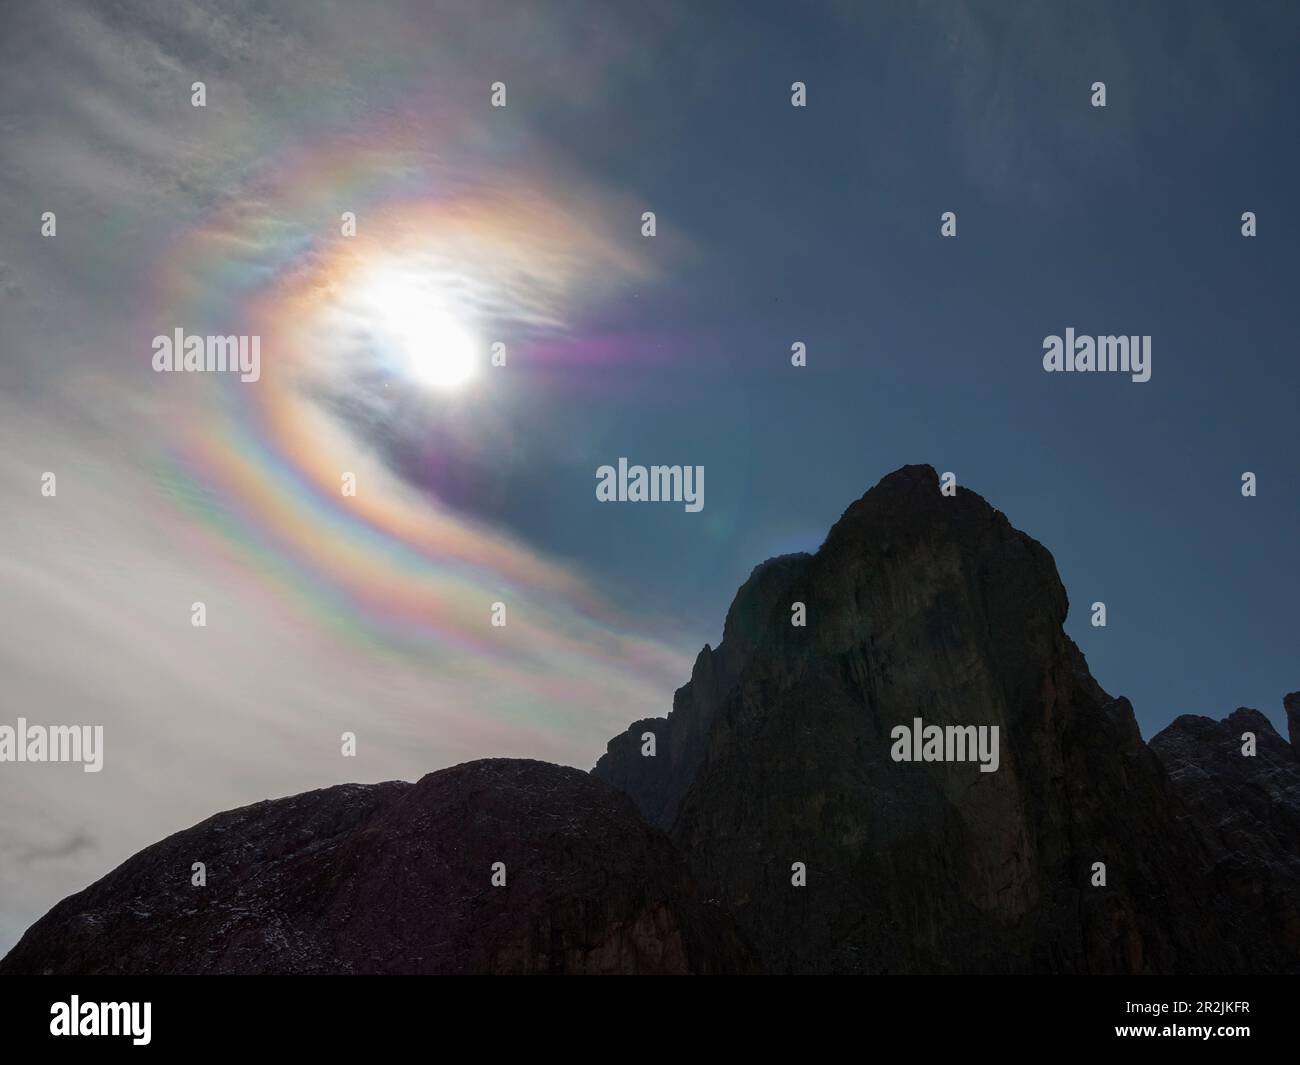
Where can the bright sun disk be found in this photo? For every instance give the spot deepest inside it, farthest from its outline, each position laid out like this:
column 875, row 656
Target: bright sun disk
column 436, row 349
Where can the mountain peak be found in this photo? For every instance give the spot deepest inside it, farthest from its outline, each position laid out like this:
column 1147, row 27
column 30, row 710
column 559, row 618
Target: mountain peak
column 815, row 782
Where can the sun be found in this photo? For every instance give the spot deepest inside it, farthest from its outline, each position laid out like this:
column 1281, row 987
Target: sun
column 440, row 352
column 417, row 329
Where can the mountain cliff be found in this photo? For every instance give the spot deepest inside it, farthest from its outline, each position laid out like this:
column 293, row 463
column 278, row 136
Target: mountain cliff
column 397, row 878
column 1246, row 811
column 920, row 605
column 783, row 825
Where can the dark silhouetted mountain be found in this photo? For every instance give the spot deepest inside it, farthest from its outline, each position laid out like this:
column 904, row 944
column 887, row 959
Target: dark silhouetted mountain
column 658, row 784
column 395, row 878
column 778, row 751
column 1086, row 851
column 1247, row 810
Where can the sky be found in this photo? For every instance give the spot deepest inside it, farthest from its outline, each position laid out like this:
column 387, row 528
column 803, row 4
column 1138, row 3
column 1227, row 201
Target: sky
column 523, row 225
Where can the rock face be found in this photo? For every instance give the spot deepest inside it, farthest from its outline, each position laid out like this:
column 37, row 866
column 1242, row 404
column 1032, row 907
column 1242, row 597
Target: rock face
column 395, row 878
column 658, row 784
column 778, row 751
column 1247, row 812
column 1086, row 851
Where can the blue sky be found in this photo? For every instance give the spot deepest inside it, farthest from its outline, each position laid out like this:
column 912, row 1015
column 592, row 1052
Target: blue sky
column 822, row 225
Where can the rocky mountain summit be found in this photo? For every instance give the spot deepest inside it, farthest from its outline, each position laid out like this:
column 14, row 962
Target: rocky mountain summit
column 779, row 827
column 778, row 751
column 1246, row 812
column 396, row 878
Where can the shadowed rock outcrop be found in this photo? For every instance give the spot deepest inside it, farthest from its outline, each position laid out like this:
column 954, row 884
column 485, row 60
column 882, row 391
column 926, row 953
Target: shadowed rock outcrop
column 395, row 878
column 657, row 784
column 1086, row 851
column 1246, row 809
column 924, row 606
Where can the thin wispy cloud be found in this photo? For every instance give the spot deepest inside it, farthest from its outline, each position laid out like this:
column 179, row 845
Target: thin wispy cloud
column 326, row 613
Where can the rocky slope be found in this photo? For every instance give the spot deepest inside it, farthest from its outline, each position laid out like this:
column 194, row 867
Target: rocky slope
column 396, row 878
column 778, row 751
column 658, row 784
column 777, row 757
column 1246, row 810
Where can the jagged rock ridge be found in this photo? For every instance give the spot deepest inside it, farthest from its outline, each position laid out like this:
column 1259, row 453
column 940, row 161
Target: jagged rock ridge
column 921, row 605
column 395, row 878
column 1246, row 811
column 777, row 751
